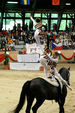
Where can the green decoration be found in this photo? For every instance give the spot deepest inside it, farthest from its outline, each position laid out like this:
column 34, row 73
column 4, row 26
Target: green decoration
column 6, row 61
column 59, row 56
column 74, row 58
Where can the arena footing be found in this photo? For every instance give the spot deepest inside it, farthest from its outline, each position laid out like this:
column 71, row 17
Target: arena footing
column 71, row 61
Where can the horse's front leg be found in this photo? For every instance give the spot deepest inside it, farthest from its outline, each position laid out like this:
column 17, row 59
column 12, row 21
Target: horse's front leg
column 61, row 108
column 61, row 105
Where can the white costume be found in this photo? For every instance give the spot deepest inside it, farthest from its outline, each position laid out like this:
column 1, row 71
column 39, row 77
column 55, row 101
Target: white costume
column 37, row 35
column 54, row 70
column 44, row 62
column 52, row 63
column 37, row 32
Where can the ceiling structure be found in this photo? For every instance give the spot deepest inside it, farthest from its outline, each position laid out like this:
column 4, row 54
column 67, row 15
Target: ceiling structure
column 38, row 5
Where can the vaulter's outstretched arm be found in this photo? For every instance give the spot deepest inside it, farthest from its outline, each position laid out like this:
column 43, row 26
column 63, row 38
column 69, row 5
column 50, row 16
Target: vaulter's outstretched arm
column 34, row 22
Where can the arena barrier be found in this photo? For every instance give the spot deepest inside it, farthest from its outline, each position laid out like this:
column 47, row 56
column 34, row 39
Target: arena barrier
column 26, row 62
column 28, row 58
column 60, row 55
column 31, row 61
column 2, row 57
column 66, row 58
column 25, row 66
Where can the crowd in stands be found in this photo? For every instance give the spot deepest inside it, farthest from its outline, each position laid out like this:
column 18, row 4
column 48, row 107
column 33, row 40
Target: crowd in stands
column 13, row 37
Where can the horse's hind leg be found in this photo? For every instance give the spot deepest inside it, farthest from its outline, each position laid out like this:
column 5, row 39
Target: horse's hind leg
column 29, row 103
column 37, row 105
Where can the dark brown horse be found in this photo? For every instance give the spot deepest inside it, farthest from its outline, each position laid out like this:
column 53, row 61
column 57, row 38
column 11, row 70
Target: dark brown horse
column 42, row 90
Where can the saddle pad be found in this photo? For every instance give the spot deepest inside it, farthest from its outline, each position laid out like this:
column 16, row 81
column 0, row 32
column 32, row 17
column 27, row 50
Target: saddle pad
column 53, row 82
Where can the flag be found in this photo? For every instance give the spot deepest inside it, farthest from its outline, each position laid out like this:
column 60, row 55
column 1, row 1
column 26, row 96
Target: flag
column 55, row 46
column 25, row 2
column 55, row 2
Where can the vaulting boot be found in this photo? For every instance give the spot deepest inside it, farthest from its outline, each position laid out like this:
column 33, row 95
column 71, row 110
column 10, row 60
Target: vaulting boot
column 49, row 76
column 69, row 86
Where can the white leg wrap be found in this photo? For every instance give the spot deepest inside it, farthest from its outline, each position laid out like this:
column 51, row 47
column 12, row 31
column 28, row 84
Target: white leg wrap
column 43, row 61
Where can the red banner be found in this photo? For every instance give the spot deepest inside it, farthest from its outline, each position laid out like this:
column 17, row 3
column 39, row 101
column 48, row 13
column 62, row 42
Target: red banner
column 12, row 59
column 1, row 57
column 67, row 58
column 55, row 2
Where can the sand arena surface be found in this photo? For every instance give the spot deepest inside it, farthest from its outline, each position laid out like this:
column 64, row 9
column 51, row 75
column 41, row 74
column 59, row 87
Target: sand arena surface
column 11, row 83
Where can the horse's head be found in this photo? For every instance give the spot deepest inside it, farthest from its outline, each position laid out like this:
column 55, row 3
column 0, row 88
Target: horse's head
column 64, row 72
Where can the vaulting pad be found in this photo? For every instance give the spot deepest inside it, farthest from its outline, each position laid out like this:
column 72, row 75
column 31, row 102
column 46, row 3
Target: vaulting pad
column 54, row 82
column 49, row 80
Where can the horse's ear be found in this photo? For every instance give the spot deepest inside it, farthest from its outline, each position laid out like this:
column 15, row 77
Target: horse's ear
column 69, row 68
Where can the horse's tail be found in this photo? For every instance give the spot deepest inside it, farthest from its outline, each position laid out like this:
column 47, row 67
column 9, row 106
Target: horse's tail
column 24, row 91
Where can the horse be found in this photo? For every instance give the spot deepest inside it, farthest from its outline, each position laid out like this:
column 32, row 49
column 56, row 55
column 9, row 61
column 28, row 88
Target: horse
column 42, row 90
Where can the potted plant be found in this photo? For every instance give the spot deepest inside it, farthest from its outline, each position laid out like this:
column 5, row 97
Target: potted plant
column 6, row 61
